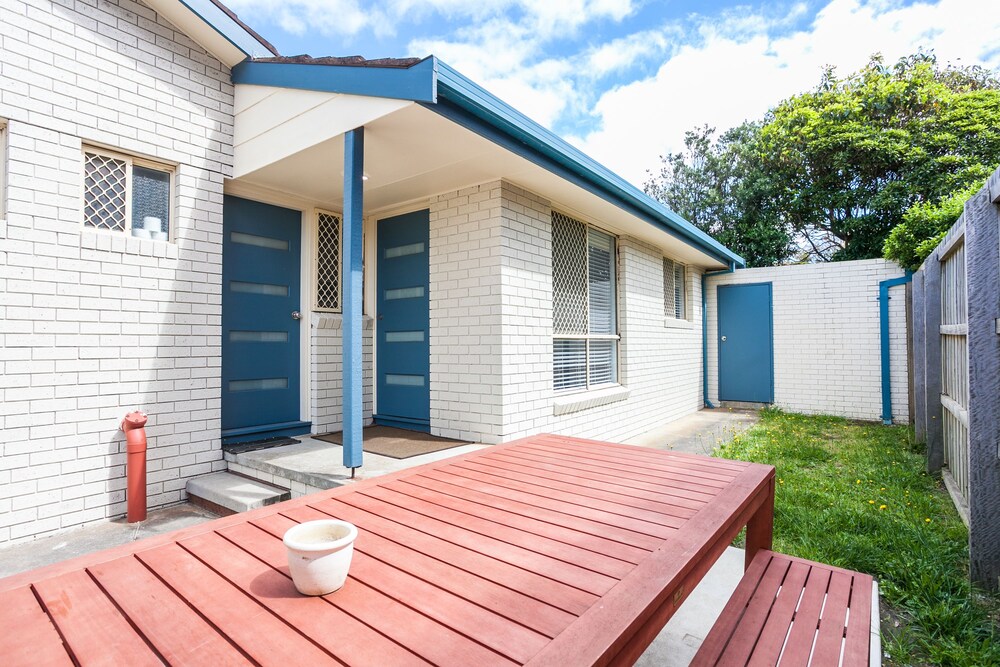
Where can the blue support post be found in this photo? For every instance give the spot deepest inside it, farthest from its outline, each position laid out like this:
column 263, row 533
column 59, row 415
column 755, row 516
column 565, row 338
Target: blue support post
column 883, row 316
column 353, row 416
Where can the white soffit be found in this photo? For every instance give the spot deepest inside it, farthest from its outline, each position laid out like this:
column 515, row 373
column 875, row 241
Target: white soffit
column 198, row 30
column 413, row 153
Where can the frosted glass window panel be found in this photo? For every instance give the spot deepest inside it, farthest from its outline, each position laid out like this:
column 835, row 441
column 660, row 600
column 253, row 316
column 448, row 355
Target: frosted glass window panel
column 405, row 380
column 404, row 336
column 150, row 197
column 259, row 241
column 258, row 288
column 258, row 385
column 404, row 293
column 258, row 336
column 404, row 250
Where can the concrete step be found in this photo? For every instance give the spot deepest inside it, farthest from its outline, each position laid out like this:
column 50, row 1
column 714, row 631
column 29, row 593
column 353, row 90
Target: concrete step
column 226, row 493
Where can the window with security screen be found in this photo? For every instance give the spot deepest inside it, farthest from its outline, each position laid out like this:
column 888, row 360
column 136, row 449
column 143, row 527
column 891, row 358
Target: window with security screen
column 674, row 282
column 126, row 195
column 328, row 262
column 585, row 340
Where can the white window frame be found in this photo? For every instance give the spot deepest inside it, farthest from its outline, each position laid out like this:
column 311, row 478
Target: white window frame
column 685, row 313
column 130, row 162
column 616, row 337
column 340, row 263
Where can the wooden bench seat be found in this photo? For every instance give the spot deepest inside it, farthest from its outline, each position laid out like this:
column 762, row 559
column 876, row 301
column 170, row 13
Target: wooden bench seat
column 799, row 613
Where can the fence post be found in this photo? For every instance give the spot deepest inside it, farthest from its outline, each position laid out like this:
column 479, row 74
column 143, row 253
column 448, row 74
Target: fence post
column 982, row 248
column 932, row 362
column 919, row 342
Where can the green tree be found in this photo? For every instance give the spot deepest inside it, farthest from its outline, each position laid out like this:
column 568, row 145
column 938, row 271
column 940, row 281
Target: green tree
column 718, row 187
column 839, row 167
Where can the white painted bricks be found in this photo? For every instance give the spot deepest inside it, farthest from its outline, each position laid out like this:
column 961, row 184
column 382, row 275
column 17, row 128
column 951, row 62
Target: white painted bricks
column 94, row 325
column 826, row 337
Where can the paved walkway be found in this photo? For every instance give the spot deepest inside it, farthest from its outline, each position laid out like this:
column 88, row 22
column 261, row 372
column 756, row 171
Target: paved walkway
column 698, row 433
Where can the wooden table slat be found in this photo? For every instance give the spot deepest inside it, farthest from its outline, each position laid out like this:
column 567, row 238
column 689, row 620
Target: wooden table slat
column 93, row 628
column 803, row 632
column 830, row 637
column 165, row 620
column 618, row 556
column 28, row 637
column 772, row 635
column 557, row 594
column 263, row 636
column 661, row 526
column 624, row 544
column 542, row 542
column 678, row 493
column 857, row 642
column 325, row 624
column 437, row 643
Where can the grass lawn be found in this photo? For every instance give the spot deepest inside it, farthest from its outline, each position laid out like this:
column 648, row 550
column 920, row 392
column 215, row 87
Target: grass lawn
column 855, row 495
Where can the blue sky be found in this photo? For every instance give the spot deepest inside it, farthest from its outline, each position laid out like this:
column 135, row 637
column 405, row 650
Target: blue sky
column 623, row 79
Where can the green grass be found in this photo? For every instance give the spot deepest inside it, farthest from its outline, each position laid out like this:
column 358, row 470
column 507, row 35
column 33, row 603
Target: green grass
column 856, row 495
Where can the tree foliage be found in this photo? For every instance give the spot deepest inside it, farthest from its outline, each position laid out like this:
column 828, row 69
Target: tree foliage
column 837, row 168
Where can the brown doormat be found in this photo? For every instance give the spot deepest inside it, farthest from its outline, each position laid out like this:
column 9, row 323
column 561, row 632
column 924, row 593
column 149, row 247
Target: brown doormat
column 396, row 443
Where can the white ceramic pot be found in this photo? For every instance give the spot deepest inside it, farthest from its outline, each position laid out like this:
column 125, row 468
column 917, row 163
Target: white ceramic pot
column 319, row 555
column 152, row 223
column 158, row 236
column 141, row 233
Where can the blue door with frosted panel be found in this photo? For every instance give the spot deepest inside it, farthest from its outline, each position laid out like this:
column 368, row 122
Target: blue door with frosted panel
column 746, row 363
column 403, row 322
column 260, row 320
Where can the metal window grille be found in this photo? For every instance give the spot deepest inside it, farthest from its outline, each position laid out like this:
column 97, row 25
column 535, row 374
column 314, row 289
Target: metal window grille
column 328, row 262
column 674, row 281
column 105, row 192
column 585, row 345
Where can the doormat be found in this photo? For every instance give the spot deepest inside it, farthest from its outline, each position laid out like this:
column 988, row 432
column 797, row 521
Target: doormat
column 396, row 443
column 266, row 443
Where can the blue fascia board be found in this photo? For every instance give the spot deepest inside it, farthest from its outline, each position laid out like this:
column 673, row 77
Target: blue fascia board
column 224, row 24
column 533, row 138
column 416, row 83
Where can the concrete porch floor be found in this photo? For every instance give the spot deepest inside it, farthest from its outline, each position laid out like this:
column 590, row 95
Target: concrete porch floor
column 314, row 464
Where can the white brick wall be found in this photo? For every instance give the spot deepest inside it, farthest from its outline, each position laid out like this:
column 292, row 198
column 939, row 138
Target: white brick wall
column 826, row 337
column 94, row 325
column 326, row 366
column 491, row 328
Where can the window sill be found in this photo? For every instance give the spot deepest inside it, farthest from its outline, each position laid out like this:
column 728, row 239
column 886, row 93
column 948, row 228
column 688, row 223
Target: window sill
column 671, row 323
column 118, row 242
column 564, row 405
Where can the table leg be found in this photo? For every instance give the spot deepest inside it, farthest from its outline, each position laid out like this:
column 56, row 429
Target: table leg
column 760, row 527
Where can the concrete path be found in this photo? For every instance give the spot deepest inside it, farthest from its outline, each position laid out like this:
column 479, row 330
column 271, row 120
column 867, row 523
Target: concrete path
column 95, row 537
column 698, row 433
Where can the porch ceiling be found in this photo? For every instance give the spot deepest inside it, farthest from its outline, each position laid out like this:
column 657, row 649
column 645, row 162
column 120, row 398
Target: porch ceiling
column 413, row 153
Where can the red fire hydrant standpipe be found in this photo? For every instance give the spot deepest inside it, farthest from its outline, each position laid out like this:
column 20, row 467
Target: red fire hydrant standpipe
column 134, row 426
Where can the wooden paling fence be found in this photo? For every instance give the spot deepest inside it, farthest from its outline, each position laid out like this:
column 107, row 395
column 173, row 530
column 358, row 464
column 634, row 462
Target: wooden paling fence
column 955, row 319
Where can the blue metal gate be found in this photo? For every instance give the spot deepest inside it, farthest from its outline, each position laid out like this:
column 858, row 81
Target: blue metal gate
column 746, row 350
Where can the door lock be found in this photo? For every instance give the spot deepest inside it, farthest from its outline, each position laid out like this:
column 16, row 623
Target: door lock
column 723, row 339
column 296, row 315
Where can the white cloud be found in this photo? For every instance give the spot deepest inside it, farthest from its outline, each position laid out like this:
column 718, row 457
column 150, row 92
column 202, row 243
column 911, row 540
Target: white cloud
column 734, row 71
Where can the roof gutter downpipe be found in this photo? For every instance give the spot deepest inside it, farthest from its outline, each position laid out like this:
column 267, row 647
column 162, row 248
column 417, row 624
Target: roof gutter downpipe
column 704, row 331
column 883, row 314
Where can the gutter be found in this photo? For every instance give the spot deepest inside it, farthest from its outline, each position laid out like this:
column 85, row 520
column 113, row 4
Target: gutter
column 883, row 316
column 704, row 331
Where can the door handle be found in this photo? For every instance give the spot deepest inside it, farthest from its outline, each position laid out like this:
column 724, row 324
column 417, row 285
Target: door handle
column 296, row 315
column 723, row 339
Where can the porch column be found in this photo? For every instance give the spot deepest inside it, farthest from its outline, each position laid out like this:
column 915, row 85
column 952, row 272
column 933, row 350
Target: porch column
column 353, row 417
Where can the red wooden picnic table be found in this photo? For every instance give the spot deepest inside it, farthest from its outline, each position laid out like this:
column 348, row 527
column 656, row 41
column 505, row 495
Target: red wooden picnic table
column 544, row 551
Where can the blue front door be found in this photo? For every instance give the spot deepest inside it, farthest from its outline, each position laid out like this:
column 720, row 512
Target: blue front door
column 746, row 364
column 403, row 322
column 260, row 325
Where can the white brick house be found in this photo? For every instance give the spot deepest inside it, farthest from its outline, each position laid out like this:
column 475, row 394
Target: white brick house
column 177, row 211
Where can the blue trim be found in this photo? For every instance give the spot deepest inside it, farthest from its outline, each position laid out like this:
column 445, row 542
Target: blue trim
column 704, row 331
column 354, row 166
column 506, row 126
column 883, row 321
column 417, row 83
column 224, row 24
column 236, row 435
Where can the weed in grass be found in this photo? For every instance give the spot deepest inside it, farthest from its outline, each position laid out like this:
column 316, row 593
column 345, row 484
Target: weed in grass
column 856, row 495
